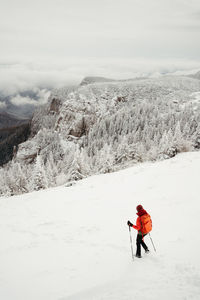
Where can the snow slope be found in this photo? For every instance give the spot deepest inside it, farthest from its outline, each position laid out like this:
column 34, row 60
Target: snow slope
column 73, row 242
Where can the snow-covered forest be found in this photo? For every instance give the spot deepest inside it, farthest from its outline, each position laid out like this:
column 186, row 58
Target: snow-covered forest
column 103, row 127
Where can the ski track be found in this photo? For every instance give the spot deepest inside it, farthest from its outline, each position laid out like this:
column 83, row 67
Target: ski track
column 72, row 243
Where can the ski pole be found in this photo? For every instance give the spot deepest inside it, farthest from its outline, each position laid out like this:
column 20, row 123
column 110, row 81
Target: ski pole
column 152, row 243
column 131, row 243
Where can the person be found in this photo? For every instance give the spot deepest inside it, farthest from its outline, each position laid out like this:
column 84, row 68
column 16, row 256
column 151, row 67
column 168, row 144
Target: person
column 143, row 226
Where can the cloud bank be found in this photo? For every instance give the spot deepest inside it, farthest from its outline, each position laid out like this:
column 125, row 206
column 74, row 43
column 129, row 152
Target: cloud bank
column 41, row 97
column 3, row 105
column 19, row 77
column 49, row 43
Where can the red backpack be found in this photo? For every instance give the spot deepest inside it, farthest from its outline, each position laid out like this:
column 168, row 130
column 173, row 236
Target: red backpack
column 146, row 223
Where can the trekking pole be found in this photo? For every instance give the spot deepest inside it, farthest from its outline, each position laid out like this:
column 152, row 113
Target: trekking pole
column 152, row 243
column 131, row 243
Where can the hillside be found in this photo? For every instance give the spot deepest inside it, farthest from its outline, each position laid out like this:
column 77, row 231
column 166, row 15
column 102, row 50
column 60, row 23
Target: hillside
column 72, row 243
column 9, row 120
column 103, row 127
column 10, row 138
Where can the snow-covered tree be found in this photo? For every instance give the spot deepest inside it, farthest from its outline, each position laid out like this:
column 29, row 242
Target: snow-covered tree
column 39, row 180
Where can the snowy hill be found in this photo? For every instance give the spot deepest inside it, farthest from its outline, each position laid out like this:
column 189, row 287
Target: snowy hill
column 72, row 243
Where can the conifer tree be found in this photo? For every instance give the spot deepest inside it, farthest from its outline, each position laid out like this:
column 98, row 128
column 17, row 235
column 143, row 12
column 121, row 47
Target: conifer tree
column 39, row 175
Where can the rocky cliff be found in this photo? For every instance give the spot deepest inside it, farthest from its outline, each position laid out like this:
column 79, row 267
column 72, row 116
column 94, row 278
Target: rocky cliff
column 104, row 126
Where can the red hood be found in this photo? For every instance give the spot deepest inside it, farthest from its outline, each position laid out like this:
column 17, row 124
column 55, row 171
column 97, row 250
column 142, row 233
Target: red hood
column 141, row 212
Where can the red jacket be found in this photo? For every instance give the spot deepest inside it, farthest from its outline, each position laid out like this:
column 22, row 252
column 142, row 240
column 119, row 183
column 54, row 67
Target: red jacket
column 138, row 221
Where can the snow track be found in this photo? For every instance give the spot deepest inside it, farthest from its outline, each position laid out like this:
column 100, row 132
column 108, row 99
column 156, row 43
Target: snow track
column 72, row 243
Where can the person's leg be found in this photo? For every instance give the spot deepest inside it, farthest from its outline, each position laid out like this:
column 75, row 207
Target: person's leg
column 144, row 245
column 138, row 243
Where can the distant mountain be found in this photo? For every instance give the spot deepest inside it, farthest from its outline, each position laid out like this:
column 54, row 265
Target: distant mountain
column 10, row 138
column 98, row 79
column 13, row 131
column 8, row 120
column 95, row 79
column 196, row 75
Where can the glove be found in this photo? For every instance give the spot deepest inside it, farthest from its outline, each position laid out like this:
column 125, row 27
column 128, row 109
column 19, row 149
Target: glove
column 129, row 223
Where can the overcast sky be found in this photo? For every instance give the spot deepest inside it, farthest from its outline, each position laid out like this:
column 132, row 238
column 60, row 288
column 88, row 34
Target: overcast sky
column 57, row 40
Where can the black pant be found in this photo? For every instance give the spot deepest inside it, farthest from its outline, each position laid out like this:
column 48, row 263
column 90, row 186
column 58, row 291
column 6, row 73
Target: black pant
column 139, row 242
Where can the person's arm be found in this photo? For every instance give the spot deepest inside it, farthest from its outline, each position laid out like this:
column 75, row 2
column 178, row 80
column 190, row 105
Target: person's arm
column 138, row 224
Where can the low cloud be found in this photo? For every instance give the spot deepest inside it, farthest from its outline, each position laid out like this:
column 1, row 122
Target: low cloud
column 3, row 105
column 41, row 77
column 40, row 98
column 20, row 101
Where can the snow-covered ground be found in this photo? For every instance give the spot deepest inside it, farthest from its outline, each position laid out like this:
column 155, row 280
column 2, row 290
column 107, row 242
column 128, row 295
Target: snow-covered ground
column 73, row 242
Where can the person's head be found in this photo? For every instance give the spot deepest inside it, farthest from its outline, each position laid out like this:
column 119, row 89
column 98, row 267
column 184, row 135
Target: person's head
column 139, row 207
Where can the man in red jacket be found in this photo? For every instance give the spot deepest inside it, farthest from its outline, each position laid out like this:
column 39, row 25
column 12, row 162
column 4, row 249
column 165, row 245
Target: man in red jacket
column 141, row 228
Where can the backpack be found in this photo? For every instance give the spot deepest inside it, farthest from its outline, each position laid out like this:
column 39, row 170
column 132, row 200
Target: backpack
column 146, row 223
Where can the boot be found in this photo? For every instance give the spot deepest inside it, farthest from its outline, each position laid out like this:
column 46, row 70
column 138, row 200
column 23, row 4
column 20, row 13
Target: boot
column 138, row 256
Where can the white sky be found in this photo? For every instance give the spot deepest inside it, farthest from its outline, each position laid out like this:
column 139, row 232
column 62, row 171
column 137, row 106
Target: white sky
column 98, row 37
